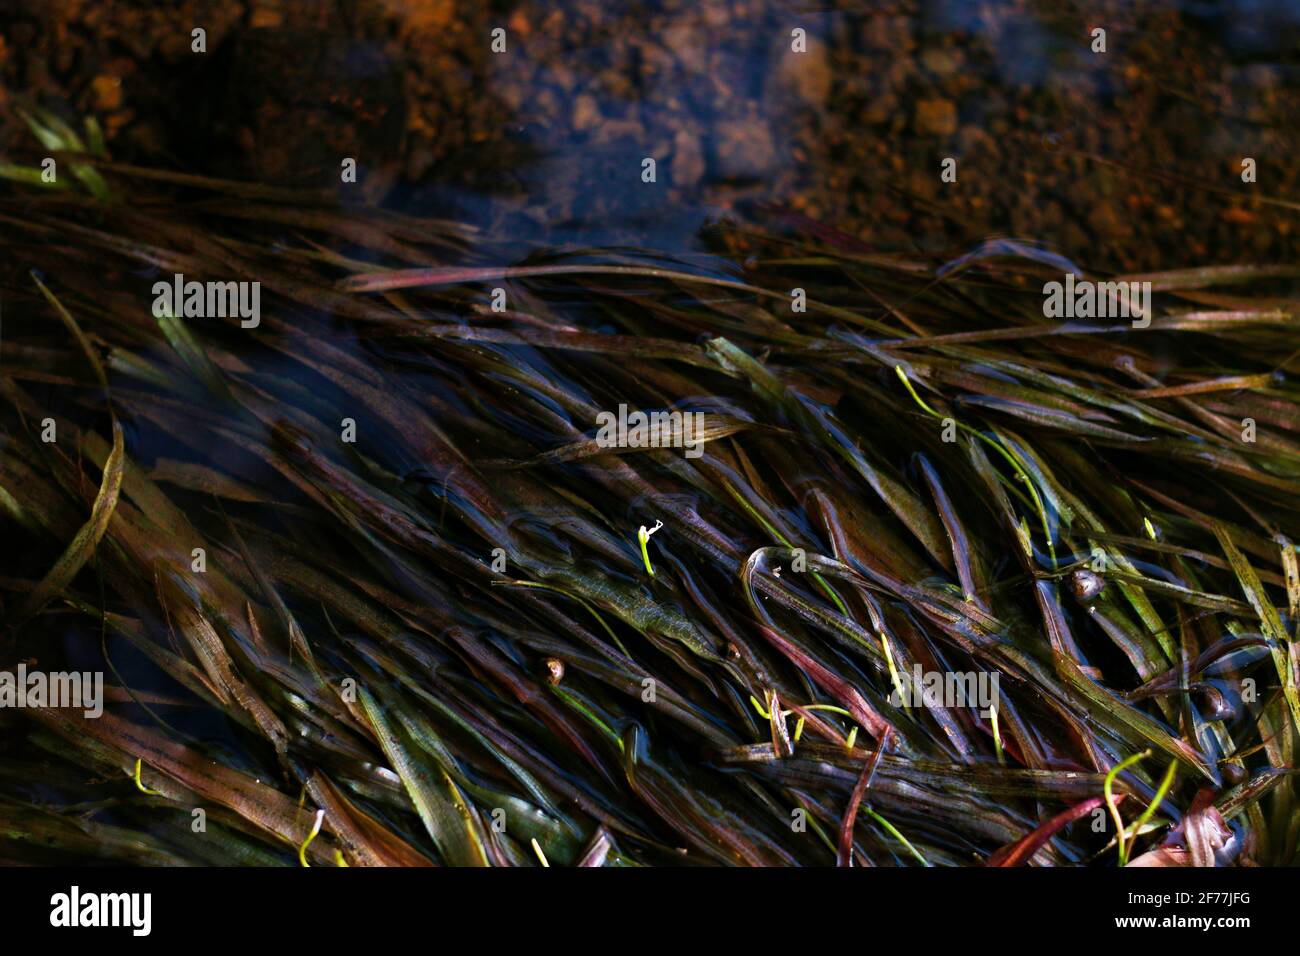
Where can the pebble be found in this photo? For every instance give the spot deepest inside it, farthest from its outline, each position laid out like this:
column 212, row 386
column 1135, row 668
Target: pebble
column 806, row 75
column 586, row 113
column 107, row 91
column 744, row 148
column 939, row 61
column 880, row 109
column 935, row 117
column 519, row 25
column 689, row 47
column 266, row 16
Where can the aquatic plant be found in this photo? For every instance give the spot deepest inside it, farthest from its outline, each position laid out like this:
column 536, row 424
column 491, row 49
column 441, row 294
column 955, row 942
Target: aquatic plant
column 369, row 590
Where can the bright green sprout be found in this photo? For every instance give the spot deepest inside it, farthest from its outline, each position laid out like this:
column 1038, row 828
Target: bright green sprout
column 140, row 785
column 569, row 594
column 997, row 734
column 893, row 671
column 893, row 831
column 1136, row 831
column 590, row 714
column 315, row 829
column 1108, row 788
column 643, row 536
column 831, row 707
column 1001, row 449
column 798, row 727
column 537, row 848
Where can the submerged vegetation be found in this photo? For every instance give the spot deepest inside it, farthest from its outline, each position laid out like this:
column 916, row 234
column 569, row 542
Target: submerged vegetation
column 369, row 591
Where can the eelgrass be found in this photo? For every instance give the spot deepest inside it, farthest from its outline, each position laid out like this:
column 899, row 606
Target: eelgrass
column 446, row 642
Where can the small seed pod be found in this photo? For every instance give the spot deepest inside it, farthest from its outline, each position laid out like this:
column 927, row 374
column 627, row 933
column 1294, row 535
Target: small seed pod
column 554, row 670
column 1086, row 585
column 1232, row 774
column 1213, row 703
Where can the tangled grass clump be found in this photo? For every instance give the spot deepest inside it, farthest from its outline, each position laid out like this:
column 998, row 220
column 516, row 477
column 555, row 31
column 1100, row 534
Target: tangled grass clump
column 445, row 642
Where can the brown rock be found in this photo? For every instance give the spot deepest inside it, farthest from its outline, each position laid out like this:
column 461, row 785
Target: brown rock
column 806, row 75
column 266, row 15
column 586, row 112
column 108, row 93
column 880, row 109
column 519, row 25
column 939, row 61
column 689, row 46
column 744, row 148
column 935, row 117
column 973, row 139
